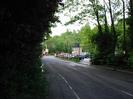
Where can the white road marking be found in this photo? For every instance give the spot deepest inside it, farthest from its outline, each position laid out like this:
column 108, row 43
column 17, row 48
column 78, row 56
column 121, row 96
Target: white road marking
column 122, row 91
column 129, row 94
column 76, row 95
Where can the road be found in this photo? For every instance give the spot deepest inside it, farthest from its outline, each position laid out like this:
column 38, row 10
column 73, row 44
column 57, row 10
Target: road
column 68, row 80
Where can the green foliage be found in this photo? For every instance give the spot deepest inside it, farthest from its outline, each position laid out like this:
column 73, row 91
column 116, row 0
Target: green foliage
column 104, row 45
column 86, row 34
column 73, row 59
column 110, row 42
column 22, row 24
column 103, row 42
column 130, row 30
column 63, row 43
column 130, row 60
column 130, row 34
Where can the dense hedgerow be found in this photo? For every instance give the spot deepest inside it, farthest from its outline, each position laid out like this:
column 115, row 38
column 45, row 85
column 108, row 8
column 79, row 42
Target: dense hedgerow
column 22, row 27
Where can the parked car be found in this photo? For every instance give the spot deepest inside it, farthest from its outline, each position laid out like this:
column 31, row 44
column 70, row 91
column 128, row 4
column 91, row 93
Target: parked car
column 80, row 57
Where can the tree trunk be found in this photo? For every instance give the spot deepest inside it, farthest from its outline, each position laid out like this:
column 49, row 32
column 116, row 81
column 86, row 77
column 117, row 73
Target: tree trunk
column 124, row 29
column 106, row 22
column 99, row 25
column 97, row 16
column 130, row 29
column 112, row 28
column 131, row 7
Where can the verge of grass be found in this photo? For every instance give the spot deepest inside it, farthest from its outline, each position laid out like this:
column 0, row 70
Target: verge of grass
column 70, row 59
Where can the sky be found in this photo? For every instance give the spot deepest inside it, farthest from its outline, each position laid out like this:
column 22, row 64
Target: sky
column 61, row 28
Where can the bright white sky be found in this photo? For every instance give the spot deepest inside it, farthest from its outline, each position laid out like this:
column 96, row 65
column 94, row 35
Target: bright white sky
column 61, row 28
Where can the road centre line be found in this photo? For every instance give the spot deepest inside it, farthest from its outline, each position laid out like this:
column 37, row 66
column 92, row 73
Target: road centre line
column 76, row 95
column 129, row 94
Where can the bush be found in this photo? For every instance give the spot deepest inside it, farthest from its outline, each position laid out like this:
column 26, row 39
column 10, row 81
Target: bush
column 98, row 60
column 130, row 60
column 22, row 27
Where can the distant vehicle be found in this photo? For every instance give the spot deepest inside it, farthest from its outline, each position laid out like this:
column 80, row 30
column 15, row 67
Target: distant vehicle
column 55, row 54
column 80, row 57
column 87, row 56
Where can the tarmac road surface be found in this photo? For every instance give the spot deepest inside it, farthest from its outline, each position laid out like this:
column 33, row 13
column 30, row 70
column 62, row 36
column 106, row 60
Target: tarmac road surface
column 69, row 80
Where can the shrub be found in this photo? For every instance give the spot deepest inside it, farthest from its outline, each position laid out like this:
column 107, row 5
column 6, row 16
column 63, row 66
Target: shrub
column 130, row 60
column 22, row 27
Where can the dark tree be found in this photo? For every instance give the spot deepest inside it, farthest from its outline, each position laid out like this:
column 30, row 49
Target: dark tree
column 22, row 27
column 130, row 22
